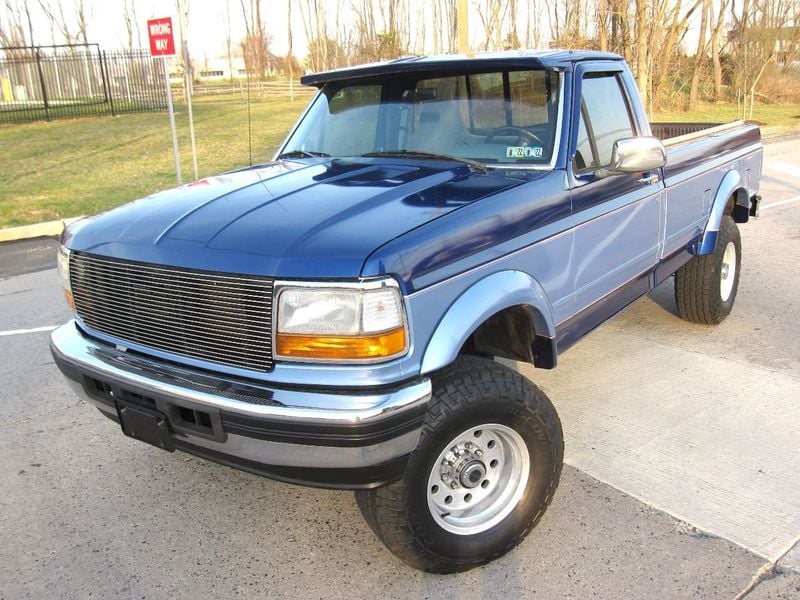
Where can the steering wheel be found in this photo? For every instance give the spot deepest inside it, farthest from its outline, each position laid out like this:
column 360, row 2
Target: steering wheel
column 522, row 134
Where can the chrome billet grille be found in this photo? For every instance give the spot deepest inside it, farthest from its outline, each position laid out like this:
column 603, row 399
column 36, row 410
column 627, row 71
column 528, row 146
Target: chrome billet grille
column 216, row 317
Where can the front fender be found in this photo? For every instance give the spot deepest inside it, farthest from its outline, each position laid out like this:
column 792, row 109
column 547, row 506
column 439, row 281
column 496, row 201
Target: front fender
column 731, row 182
column 483, row 299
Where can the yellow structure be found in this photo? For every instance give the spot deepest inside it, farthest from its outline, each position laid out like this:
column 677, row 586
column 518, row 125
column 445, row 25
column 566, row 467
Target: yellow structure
column 8, row 95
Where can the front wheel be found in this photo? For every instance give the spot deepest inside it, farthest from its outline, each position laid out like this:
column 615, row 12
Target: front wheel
column 705, row 287
column 486, row 468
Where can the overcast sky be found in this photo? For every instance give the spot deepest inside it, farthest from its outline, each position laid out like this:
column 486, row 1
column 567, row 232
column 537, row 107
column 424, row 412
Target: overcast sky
column 207, row 22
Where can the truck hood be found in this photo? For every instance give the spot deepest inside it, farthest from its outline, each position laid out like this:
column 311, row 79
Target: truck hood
column 307, row 219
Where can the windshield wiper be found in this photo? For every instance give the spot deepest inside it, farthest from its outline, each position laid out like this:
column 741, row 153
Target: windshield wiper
column 302, row 154
column 476, row 165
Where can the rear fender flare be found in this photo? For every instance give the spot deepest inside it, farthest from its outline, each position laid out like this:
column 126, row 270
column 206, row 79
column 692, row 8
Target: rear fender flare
column 480, row 301
column 731, row 182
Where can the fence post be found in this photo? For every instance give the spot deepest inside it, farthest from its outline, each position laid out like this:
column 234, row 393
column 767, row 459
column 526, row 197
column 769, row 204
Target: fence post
column 41, row 82
column 104, row 76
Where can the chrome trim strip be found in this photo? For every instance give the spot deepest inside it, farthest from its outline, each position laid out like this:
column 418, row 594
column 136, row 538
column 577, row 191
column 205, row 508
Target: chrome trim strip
column 346, row 408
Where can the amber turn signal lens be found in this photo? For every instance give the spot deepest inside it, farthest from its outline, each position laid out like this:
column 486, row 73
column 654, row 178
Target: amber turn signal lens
column 382, row 345
column 70, row 299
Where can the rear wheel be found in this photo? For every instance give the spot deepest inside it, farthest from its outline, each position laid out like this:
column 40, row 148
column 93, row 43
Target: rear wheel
column 486, row 468
column 706, row 286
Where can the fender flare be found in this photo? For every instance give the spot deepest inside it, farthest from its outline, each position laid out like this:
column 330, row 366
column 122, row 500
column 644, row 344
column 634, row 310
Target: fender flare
column 730, row 184
column 475, row 305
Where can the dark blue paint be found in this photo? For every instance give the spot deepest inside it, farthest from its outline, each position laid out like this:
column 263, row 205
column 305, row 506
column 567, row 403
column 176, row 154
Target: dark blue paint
column 482, row 227
column 522, row 59
column 320, row 219
column 686, row 156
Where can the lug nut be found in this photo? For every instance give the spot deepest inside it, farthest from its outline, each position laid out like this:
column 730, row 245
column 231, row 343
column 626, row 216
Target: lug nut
column 478, row 452
column 453, row 485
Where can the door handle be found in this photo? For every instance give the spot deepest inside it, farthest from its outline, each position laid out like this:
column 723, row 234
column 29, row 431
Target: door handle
column 648, row 179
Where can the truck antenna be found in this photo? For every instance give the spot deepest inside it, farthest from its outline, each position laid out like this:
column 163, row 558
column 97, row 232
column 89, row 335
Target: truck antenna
column 249, row 123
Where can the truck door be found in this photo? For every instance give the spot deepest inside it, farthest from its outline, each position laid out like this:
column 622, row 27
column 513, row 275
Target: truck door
column 617, row 217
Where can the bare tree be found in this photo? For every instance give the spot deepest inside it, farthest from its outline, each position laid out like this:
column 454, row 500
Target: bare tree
column 54, row 11
column 255, row 46
column 228, row 37
column 131, row 19
column 17, row 25
column 759, row 29
column 81, row 17
column 716, row 45
column 699, row 55
column 602, row 24
column 491, row 13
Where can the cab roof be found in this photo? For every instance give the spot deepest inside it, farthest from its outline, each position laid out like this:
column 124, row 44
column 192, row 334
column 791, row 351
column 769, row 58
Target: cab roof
column 511, row 59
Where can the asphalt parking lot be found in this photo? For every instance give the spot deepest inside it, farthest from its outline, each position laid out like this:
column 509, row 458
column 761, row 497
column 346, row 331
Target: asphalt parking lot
column 682, row 476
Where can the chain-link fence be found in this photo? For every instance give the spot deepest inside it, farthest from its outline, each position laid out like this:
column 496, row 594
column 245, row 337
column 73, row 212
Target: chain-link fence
column 50, row 82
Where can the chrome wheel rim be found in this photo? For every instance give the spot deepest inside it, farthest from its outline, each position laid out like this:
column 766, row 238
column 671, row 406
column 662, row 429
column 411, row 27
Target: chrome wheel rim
column 478, row 479
column 727, row 272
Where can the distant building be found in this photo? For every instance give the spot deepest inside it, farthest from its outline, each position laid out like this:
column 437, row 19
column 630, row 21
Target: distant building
column 215, row 69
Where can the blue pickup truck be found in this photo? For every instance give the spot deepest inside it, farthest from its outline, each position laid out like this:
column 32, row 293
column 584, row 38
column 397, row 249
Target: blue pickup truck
column 333, row 318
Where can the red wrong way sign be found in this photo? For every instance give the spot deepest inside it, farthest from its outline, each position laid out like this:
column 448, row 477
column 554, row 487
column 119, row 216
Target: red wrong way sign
column 162, row 40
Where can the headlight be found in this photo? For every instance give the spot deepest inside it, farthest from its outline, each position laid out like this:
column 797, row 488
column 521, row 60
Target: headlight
column 63, row 273
column 356, row 323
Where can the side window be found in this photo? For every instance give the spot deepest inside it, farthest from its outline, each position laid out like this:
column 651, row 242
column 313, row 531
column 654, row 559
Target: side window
column 584, row 155
column 607, row 115
column 354, row 96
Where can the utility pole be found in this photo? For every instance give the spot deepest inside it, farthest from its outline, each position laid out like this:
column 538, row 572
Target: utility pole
column 463, row 26
column 187, row 74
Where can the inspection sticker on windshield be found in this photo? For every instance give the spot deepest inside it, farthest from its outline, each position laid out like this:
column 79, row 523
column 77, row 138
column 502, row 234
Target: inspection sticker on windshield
column 524, row 151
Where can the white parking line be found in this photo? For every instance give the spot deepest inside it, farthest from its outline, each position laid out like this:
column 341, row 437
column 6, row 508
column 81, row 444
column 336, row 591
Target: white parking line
column 784, row 167
column 34, row 330
column 781, row 203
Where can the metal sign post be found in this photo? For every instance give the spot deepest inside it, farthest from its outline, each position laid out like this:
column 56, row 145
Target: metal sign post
column 187, row 74
column 175, row 152
column 162, row 43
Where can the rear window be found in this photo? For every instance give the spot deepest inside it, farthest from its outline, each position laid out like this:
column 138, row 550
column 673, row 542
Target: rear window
column 495, row 117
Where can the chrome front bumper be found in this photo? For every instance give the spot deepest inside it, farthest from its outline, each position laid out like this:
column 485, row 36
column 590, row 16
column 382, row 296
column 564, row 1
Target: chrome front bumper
column 329, row 438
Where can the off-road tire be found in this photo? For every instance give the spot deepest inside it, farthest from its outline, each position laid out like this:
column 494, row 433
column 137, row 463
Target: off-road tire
column 697, row 283
column 472, row 391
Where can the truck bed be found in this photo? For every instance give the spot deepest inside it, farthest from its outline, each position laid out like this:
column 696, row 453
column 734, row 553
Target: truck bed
column 672, row 129
column 703, row 144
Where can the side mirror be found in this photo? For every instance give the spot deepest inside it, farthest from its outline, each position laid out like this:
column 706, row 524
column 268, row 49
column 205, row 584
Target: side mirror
column 636, row 155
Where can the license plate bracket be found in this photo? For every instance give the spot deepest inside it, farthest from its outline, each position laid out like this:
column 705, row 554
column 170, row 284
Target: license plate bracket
column 145, row 425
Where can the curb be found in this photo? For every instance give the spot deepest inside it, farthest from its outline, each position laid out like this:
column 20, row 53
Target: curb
column 26, row 232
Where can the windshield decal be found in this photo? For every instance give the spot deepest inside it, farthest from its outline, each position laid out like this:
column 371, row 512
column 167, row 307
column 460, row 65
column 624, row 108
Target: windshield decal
column 524, row 151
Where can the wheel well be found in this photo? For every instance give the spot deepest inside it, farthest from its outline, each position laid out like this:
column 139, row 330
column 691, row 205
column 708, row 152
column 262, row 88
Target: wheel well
column 738, row 206
column 511, row 333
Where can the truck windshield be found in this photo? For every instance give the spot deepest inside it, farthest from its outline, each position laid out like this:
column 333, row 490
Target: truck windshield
column 506, row 117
